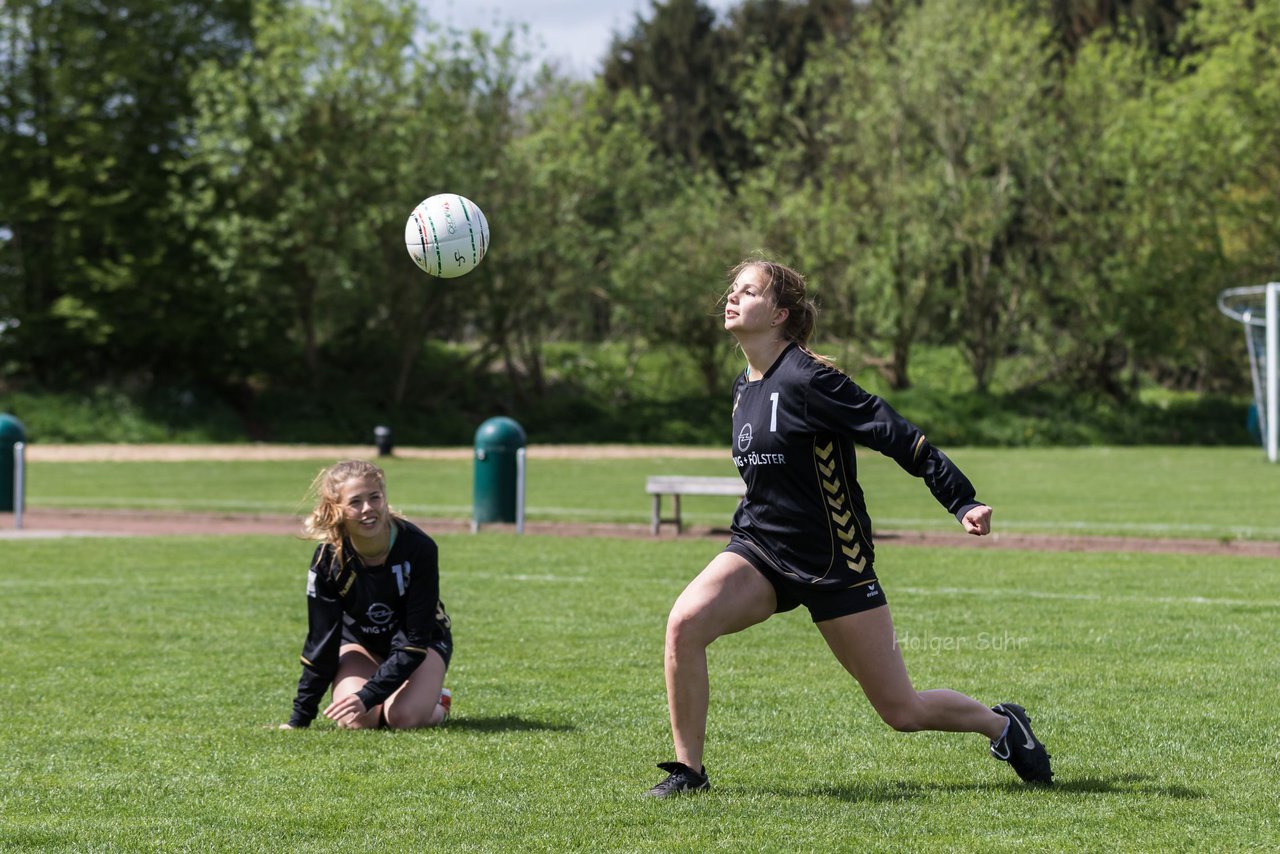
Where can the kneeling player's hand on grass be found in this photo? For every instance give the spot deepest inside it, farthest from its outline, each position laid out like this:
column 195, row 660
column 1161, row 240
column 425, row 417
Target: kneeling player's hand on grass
column 346, row 711
column 978, row 520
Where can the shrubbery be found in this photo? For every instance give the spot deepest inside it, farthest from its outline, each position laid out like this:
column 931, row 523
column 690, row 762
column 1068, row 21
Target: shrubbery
column 609, row 394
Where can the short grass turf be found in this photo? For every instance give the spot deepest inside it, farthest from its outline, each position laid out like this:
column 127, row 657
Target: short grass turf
column 143, row 680
column 1216, row 493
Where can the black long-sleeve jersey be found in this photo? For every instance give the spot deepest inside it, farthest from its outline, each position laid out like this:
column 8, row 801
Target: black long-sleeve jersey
column 393, row 610
column 793, row 443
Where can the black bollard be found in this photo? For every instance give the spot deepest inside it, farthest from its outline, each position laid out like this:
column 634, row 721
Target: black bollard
column 382, row 439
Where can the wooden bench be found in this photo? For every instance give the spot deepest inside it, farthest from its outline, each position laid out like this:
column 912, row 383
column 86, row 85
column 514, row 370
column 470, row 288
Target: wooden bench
column 677, row 485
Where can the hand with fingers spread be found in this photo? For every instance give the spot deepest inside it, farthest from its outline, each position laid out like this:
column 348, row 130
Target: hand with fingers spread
column 345, row 712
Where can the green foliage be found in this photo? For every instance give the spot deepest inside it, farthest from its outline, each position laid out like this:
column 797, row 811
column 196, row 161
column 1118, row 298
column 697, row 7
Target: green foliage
column 313, row 146
column 623, row 392
column 107, row 414
column 212, row 199
column 674, row 57
column 94, row 264
column 128, row 726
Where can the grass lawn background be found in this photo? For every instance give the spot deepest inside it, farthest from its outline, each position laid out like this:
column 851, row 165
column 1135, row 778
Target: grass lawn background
column 1215, row 493
column 143, row 679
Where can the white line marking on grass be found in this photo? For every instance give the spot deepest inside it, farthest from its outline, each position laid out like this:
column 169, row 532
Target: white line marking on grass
column 100, row 581
column 1162, row 528
column 228, row 505
column 236, row 505
column 1082, row 597
column 503, row 576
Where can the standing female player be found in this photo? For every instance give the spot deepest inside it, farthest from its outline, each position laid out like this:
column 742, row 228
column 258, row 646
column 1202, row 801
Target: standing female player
column 801, row 535
column 378, row 632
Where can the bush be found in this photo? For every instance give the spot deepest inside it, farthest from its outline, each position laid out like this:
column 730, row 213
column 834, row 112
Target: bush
column 607, row 394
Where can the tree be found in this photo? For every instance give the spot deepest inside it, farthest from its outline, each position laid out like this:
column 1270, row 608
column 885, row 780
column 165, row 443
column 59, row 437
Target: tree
column 574, row 176
column 674, row 57
column 92, row 260
column 975, row 81
column 673, row 270
column 309, row 154
column 904, row 196
column 1157, row 22
column 1162, row 201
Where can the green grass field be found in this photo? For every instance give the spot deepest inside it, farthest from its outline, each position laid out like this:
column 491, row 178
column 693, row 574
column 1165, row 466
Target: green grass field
column 143, row 679
column 1216, row 493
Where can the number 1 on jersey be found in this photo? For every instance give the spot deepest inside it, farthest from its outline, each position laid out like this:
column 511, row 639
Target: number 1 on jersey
column 773, row 415
column 402, row 577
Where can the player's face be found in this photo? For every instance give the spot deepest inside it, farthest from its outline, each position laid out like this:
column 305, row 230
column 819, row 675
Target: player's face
column 364, row 507
column 749, row 306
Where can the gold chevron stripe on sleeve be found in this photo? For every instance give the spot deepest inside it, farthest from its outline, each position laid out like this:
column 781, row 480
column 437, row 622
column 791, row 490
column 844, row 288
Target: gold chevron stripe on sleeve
column 836, row 498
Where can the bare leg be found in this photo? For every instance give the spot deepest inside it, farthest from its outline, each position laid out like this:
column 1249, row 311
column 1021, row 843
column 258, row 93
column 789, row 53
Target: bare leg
column 865, row 644
column 726, row 597
column 355, row 667
column 416, row 703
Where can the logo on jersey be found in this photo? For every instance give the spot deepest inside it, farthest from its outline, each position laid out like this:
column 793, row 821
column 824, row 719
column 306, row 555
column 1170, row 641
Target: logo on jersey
column 311, row 584
column 744, row 437
column 379, row 613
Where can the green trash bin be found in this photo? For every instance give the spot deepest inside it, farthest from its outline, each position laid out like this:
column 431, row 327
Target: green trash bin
column 11, row 433
column 499, row 473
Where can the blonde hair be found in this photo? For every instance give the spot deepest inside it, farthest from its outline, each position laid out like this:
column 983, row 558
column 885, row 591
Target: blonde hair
column 326, row 521
column 786, row 288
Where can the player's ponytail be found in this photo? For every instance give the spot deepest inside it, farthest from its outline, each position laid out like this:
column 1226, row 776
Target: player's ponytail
column 788, row 290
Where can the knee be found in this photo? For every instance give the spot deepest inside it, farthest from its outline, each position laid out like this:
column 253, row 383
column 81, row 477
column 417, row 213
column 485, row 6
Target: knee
column 903, row 717
column 368, row 721
column 400, row 718
column 684, row 631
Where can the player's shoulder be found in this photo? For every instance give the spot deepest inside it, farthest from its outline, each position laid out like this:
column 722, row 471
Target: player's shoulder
column 413, row 536
column 323, row 556
column 824, row 380
column 325, row 566
column 798, row 365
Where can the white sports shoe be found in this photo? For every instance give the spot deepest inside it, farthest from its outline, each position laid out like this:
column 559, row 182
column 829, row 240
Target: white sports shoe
column 446, row 700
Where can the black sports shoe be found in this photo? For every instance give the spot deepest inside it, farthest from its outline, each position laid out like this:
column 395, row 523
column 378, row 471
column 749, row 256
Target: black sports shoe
column 680, row 779
column 1020, row 748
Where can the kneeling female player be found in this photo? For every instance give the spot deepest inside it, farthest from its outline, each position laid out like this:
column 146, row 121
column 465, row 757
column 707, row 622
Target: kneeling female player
column 377, row 631
column 801, row 535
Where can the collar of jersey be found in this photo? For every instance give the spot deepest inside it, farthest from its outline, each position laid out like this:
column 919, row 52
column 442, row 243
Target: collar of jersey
column 746, row 372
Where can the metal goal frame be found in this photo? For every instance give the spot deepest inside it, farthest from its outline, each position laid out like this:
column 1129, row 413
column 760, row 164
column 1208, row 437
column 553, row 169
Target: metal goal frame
column 1257, row 308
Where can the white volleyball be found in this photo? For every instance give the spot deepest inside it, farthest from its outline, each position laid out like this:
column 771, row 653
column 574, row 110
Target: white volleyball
column 447, row 235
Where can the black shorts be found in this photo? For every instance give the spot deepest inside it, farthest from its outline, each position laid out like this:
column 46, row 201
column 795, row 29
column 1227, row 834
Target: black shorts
column 824, row 603
column 442, row 645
